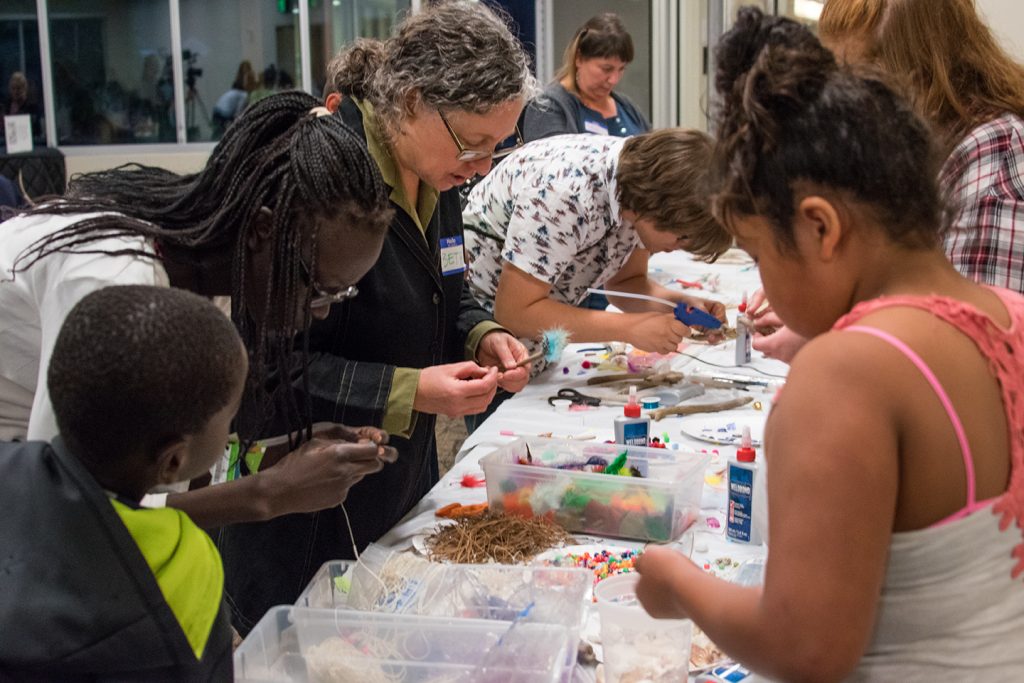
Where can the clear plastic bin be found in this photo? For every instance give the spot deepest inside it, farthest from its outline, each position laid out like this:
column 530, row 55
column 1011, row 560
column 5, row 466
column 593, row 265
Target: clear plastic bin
column 527, row 477
column 329, row 587
column 302, row 645
column 547, row 595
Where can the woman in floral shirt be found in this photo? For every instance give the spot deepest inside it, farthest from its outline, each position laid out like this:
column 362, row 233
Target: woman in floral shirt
column 575, row 211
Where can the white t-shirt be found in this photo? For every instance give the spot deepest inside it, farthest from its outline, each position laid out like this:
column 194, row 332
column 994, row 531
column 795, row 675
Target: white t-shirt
column 550, row 210
column 34, row 303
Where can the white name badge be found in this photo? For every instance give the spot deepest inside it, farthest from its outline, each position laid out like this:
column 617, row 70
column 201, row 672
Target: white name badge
column 595, row 127
column 18, row 133
column 453, row 256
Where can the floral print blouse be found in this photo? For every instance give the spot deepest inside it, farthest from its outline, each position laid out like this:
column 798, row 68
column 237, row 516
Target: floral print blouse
column 550, row 209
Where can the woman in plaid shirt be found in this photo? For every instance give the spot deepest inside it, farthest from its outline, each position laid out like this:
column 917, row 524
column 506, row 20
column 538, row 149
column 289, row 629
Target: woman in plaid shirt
column 972, row 92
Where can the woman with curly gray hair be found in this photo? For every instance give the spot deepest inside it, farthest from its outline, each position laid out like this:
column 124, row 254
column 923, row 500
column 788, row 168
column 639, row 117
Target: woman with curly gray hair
column 433, row 102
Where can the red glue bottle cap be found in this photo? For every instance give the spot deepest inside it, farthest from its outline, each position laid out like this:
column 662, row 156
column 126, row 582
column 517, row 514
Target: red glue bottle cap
column 745, row 453
column 632, row 408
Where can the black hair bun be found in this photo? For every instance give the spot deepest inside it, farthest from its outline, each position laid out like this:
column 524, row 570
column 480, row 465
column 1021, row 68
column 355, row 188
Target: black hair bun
column 770, row 63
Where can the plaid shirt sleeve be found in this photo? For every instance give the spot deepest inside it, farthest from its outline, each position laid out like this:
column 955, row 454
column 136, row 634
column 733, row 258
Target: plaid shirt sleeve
column 984, row 179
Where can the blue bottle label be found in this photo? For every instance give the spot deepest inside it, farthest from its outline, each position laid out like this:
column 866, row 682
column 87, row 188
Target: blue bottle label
column 741, row 487
column 636, row 433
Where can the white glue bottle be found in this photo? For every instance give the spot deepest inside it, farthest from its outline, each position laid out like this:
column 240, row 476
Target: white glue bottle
column 630, row 428
column 740, row 526
column 744, row 338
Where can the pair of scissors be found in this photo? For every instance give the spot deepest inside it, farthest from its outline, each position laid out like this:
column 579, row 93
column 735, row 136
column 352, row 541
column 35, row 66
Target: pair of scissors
column 576, row 397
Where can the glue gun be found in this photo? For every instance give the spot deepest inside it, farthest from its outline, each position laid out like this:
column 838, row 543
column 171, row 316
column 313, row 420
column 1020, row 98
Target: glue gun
column 686, row 314
column 691, row 315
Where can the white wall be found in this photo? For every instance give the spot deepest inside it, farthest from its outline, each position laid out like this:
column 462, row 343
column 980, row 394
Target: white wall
column 1006, row 18
column 81, row 160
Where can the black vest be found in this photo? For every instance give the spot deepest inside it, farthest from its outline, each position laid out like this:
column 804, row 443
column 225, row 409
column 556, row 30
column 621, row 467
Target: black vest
column 77, row 600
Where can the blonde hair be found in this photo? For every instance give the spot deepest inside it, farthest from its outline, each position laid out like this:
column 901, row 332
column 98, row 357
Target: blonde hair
column 957, row 74
column 602, row 36
column 662, row 176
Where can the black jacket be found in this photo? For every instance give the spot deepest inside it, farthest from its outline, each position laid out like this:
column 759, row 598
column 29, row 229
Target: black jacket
column 409, row 315
column 77, row 600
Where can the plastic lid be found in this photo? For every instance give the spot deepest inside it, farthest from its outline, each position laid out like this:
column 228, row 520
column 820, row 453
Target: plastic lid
column 631, row 410
column 746, row 453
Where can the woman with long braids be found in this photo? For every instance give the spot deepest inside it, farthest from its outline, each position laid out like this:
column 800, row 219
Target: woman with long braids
column 287, row 215
column 433, row 102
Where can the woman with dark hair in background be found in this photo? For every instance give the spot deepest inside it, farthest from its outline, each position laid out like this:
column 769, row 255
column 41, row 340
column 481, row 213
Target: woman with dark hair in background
column 583, row 99
column 288, row 213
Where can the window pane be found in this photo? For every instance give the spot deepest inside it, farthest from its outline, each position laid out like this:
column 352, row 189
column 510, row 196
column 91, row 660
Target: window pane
column 335, row 23
column 21, row 77
column 111, row 71
column 235, row 53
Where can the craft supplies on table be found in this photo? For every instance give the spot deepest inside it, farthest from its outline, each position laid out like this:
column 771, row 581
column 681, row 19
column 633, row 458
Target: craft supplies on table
column 638, row 647
column 297, row 644
column 547, row 478
column 386, row 581
column 601, row 560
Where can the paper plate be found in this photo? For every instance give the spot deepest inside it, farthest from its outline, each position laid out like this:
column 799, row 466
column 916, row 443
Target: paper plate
column 724, row 429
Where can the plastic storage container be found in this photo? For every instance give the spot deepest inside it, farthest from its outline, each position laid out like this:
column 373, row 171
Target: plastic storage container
column 301, row 645
column 638, row 647
column 329, row 587
column 397, row 583
column 541, row 477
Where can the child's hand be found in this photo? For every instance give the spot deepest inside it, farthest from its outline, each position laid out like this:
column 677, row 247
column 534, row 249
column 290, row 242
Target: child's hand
column 777, row 342
column 319, row 473
column 661, row 570
column 657, row 332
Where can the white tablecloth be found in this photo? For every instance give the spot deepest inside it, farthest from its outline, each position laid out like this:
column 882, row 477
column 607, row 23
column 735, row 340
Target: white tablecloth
column 528, row 413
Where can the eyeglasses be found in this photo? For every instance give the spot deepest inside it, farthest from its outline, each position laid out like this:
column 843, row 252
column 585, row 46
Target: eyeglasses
column 476, row 154
column 322, row 297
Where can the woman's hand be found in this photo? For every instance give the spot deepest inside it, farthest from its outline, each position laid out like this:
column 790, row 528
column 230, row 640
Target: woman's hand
column 319, row 473
column 455, row 389
column 500, row 349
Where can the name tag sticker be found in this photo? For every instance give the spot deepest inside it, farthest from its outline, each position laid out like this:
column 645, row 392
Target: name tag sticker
column 453, row 256
column 595, row 127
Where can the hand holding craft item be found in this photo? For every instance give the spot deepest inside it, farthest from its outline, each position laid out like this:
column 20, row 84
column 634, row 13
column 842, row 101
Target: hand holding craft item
column 553, row 342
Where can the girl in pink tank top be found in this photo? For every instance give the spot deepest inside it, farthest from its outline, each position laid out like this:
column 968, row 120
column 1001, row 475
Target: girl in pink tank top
column 899, row 438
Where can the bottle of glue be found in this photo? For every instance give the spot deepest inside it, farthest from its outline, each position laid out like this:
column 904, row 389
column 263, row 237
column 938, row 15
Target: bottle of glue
column 740, row 526
column 744, row 337
column 632, row 429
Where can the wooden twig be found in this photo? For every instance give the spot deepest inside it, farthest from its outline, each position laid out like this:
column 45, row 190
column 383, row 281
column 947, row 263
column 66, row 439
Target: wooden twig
column 701, row 408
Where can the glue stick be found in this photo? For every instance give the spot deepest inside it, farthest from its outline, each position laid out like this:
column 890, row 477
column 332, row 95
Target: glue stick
column 740, row 526
column 630, row 428
column 744, row 338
